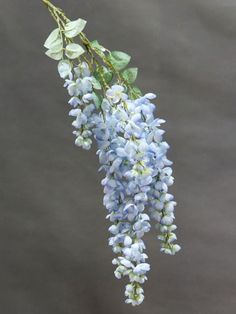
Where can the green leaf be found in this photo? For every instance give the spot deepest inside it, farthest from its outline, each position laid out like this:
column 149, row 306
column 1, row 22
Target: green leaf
column 54, row 35
column 107, row 74
column 136, row 92
column 64, row 68
column 130, row 75
column 95, row 44
column 119, row 59
column 74, row 28
column 97, row 98
column 96, row 84
column 74, row 51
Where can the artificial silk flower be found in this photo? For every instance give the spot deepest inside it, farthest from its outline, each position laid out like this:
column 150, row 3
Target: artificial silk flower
column 109, row 110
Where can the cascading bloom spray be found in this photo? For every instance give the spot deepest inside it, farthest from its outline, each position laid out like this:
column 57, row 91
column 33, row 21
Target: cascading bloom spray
column 107, row 106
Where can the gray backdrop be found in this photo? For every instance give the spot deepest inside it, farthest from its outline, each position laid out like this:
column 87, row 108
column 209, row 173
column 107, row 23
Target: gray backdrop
column 54, row 257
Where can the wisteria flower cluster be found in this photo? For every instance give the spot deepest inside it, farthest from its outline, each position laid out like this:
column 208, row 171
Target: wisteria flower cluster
column 108, row 108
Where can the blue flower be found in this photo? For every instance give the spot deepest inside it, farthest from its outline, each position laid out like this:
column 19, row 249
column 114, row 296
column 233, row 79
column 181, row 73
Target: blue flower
column 116, row 93
column 132, row 154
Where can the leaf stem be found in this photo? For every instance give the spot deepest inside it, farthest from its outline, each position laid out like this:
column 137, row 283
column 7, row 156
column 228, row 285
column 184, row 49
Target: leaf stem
column 61, row 20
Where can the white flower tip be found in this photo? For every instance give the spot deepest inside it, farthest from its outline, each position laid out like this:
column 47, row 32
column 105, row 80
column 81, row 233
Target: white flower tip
column 150, row 96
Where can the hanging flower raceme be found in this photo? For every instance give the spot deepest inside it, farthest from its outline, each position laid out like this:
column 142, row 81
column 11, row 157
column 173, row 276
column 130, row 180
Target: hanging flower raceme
column 106, row 106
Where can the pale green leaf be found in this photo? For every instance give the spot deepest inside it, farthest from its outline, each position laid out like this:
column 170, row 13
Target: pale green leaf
column 119, row 59
column 74, row 28
column 54, row 35
column 57, row 44
column 56, row 47
column 74, row 51
column 55, row 55
column 130, row 75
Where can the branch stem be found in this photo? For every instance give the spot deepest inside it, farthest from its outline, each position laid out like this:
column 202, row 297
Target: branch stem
column 61, row 20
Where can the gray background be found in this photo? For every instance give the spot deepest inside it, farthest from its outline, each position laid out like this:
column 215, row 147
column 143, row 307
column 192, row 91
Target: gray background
column 54, row 257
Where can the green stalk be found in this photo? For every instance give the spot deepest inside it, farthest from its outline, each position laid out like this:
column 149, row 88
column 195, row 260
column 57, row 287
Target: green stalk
column 61, row 19
column 97, row 57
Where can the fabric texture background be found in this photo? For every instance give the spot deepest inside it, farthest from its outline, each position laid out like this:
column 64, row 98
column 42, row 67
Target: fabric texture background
column 54, row 256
